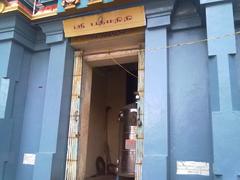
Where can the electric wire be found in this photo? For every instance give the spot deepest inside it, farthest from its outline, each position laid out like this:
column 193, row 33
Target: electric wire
column 176, row 45
column 195, row 42
column 125, row 69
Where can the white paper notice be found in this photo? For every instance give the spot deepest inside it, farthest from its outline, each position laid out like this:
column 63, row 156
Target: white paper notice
column 4, row 88
column 192, row 168
column 29, row 159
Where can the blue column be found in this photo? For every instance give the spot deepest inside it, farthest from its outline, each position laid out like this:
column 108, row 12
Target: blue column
column 50, row 161
column 8, row 84
column 13, row 81
column 193, row 149
column 155, row 161
column 226, row 122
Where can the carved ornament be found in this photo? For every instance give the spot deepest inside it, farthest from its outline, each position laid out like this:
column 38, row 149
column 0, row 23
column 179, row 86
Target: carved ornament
column 67, row 4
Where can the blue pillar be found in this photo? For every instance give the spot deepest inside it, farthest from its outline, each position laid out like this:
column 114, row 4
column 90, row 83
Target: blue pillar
column 14, row 62
column 226, row 122
column 50, row 160
column 193, row 150
column 155, row 161
column 8, row 87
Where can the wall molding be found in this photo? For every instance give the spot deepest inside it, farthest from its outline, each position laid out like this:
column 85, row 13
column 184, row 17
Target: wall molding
column 160, row 16
column 17, row 28
column 53, row 31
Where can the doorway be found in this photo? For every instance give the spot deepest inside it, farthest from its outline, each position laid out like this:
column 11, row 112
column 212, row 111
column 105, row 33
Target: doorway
column 104, row 82
column 112, row 89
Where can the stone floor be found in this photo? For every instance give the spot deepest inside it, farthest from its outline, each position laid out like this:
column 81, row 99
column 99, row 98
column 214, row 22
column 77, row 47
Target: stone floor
column 108, row 178
column 102, row 178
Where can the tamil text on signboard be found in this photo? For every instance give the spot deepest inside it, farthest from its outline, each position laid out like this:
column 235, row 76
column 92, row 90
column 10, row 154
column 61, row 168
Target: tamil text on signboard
column 105, row 22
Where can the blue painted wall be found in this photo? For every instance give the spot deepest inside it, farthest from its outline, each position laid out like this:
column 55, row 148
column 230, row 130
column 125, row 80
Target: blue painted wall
column 226, row 124
column 51, row 155
column 18, row 111
column 224, row 70
column 16, row 59
column 191, row 91
column 32, row 122
column 177, row 112
column 234, row 63
column 190, row 118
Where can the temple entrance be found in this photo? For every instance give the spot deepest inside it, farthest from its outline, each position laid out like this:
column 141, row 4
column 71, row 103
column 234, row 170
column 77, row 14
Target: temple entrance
column 106, row 117
column 112, row 90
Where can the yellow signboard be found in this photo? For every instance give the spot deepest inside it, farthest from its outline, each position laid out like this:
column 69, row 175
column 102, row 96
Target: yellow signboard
column 105, row 22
